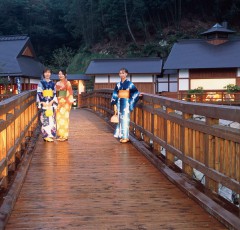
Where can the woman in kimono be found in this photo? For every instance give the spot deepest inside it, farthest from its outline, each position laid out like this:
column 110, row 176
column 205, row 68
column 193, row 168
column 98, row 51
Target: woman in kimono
column 47, row 102
column 124, row 99
column 65, row 100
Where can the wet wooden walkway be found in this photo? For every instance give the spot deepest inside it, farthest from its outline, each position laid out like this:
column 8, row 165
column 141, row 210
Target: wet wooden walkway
column 94, row 182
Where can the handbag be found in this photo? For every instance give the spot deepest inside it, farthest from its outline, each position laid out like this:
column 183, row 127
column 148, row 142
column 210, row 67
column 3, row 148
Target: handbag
column 114, row 118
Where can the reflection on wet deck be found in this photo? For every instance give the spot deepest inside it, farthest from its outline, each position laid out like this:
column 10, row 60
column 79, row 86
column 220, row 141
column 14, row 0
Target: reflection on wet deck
column 94, row 182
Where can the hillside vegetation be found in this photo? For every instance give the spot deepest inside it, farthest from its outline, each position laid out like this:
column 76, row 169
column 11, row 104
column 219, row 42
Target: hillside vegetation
column 150, row 48
column 61, row 29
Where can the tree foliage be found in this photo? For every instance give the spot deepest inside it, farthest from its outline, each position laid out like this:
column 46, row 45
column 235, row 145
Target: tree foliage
column 53, row 24
column 61, row 58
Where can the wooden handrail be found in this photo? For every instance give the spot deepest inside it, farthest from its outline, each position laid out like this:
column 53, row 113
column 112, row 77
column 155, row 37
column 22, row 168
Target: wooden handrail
column 18, row 120
column 5, row 96
column 217, row 97
column 173, row 131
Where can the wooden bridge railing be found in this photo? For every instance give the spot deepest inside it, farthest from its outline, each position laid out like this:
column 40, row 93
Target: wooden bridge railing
column 18, row 120
column 5, row 96
column 218, row 98
column 170, row 127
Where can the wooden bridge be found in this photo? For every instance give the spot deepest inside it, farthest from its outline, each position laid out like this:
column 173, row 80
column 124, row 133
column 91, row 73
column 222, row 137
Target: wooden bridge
column 94, row 182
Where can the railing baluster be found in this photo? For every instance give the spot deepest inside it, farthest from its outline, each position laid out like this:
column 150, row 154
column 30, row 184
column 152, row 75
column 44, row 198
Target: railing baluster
column 170, row 137
column 210, row 155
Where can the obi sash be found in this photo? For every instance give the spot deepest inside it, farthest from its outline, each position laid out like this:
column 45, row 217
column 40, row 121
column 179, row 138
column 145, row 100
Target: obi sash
column 61, row 93
column 47, row 93
column 123, row 93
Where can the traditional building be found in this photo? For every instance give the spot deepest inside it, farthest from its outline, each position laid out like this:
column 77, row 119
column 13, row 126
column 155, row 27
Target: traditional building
column 18, row 61
column 211, row 63
column 167, row 82
column 143, row 72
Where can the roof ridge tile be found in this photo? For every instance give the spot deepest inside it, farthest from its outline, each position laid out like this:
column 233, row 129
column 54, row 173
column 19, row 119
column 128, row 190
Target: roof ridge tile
column 13, row 37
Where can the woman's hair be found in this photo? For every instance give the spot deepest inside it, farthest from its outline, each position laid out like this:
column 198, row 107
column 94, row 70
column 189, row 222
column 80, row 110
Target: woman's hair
column 46, row 70
column 64, row 72
column 124, row 69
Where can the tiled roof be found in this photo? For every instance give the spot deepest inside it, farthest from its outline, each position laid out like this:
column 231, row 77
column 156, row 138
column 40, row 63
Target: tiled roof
column 13, row 37
column 134, row 65
column 217, row 28
column 72, row 77
column 12, row 62
column 193, row 54
column 30, row 67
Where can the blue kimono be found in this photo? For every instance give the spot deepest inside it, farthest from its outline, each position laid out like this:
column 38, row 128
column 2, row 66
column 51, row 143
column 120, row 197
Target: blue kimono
column 48, row 122
column 124, row 107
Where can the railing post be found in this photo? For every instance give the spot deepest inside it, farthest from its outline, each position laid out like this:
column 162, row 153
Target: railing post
column 155, row 127
column 3, row 151
column 185, row 144
column 17, row 131
column 138, row 121
column 146, row 123
column 10, row 140
column 169, row 139
column 210, row 155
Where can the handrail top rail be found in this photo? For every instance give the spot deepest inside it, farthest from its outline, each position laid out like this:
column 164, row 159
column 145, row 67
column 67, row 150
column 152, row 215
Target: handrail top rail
column 15, row 100
column 208, row 110
column 226, row 112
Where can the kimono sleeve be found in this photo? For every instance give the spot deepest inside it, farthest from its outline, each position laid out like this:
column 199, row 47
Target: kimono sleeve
column 55, row 100
column 114, row 98
column 134, row 96
column 40, row 97
column 69, row 92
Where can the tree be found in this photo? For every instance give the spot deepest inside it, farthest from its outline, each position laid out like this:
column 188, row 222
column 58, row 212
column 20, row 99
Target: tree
column 82, row 20
column 127, row 21
column 61, row 58
column 83, row 23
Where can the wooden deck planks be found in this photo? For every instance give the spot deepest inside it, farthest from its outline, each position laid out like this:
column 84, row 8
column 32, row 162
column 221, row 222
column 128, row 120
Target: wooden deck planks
column 94, row 182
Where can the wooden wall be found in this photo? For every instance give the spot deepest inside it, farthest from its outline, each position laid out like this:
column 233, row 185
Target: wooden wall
column 212, row 73
column 145, row 87
column 142, row 87
column 104, row 85
column 238, row 81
